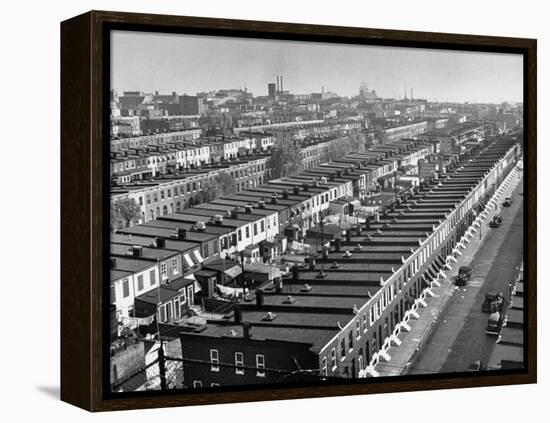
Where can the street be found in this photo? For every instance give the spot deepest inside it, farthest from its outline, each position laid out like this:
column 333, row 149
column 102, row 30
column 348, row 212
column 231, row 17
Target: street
column 459, row 337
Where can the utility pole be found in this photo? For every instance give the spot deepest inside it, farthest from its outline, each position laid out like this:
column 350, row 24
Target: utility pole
column 395, row 185
column 242, row 274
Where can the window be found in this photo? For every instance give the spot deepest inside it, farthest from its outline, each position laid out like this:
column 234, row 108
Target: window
column 205, row 251
column 358, row 328
column 324, row 369
column 260, row 365
column 177, row 309
column 214, row 360
column 152, row 278
column 125, row 288
column 239, row 235
column 162, row 313
column 371, row 316
column 239, row 363
column 333, row 359
column 175, row 265
column 343, row 348
column 262, row 226
column 197, row 384
column 183, row 301
column 255, row 229
column 169, row 311
column 350, row 340
column 140, row 282
column 163, row 270
column 113, row 294
column 364, row 323
column 162, row 195
column 247, row 229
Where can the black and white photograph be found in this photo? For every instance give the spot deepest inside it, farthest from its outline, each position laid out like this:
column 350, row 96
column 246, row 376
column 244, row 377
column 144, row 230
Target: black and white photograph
column 303, row 213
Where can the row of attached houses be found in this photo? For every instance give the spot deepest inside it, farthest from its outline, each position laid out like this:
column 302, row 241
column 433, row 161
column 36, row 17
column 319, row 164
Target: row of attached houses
column 338, row 316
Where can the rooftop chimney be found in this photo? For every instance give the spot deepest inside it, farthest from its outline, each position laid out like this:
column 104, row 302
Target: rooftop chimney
column 259, row 297
column 246, row 330
column 238, row 314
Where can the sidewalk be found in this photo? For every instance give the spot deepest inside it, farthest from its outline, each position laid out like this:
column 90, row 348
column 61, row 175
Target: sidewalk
column 413, row 341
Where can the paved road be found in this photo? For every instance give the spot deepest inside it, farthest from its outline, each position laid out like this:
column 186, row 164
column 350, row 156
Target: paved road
column 459, row 337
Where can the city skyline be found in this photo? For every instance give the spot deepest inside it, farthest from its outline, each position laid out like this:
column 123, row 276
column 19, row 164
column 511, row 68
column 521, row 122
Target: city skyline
column 150, row 61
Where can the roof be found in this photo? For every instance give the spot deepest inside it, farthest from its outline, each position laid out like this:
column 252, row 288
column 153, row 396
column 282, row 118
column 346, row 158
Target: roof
column 165, row 292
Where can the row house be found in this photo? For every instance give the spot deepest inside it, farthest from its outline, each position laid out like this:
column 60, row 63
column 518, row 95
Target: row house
column 160, row 197
column 172, row 232
column 246, row 229
column 169, row 261
column 235, row 147
column 130, row 277
column 264, row 219
column 119, row 144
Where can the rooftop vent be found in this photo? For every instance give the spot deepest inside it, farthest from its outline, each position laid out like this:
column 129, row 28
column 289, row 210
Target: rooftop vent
column 113, row 262
column 306, row 288
column 159, row 242
column 261, row 204
column 269, row 317
column 335, row 265
column 289, row 300
column 200, row 226
column 137, row 250
column 218, row 219
column 248, row 209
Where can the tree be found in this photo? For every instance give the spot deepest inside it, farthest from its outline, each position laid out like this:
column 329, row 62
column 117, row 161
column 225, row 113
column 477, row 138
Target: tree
column 379, row 134
column 226, row 183
column 220, row 185
column 286, row 159
column 124, row 211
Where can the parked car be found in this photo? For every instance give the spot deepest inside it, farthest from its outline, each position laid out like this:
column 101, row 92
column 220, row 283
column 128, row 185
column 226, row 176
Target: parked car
column 496, row 221
column 493, row 302
column 464, row 275
column 507, row 202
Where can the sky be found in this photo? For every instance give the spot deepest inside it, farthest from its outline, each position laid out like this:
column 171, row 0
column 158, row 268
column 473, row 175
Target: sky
column 189, row 64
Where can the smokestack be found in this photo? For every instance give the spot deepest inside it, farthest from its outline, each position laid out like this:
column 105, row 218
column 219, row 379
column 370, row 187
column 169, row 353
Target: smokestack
column 277, row 83
column 282, row 89
column 405, row 90
column 411, row 93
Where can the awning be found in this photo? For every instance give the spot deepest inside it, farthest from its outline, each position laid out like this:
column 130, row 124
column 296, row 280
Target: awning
column 233, row 272
column 196, row 284
column 188, row 260
column 198, row 256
